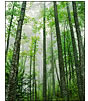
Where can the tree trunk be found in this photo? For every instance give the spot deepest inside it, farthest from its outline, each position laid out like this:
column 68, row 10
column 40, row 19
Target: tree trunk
column 69, row 61
column 57, row 72
column 65, row 56
column 80, row 91
column 69, row 52
column 30, row 75
column 80, row 47
column 44, row 59
column 66, row 62
column 52, row 66
column 34, row 89
column 48, row 90
column 60, row 55
column 15, row 58
column 7, row 47
column 35, row 77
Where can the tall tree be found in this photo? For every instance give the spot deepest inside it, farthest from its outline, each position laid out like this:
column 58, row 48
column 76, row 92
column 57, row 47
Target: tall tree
column 9, row 30
column 65, row 55
column 52, row 64
column 69, row 51
column 44, row 58
column 60, row 55
column 30, row 74
column 65, row 59
column 79, row 82
column 15, row 58
column 34, row 86
column 80, row 44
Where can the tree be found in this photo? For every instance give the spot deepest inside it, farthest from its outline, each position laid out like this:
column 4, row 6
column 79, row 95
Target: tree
column 57, row 72
column 79, row 82
column 6, row 51
column 15, row 58
column 60, row 55
column 44, row 58
column 30, row 74
column 80, row 45
column 65, row 59
column 34, row 80
column 46, row 46
column 52, row 64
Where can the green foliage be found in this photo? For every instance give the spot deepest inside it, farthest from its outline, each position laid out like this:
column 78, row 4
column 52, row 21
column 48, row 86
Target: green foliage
column 24, row 77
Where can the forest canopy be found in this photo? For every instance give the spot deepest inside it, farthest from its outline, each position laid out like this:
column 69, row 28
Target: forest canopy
column 45, row 51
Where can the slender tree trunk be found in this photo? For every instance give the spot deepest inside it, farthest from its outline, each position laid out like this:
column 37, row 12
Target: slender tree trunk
column 38, row 88
column 15, row 58
column 48, row 89
column 34, row 89
column 69, row 62
column 57, row 72
column 44, row 59
column 9, row 30
column 60, row 55
column 52, row 66
column 66, row 62
column 65, row 56
column 30, row 75
column 79, row 83
column 69, row 52
column 80, row 47
column 73, row 77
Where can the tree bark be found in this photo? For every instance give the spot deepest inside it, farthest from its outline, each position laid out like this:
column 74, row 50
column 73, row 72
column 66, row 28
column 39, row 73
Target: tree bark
column 30, row 75
column 66, row 61
column 34, row 87
column 80, row 91
column 80, row 46
column 15, row 58
column 60, row 55
column 65, row 56
column 52, row 65
column 44, row 58
column 70, row 54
